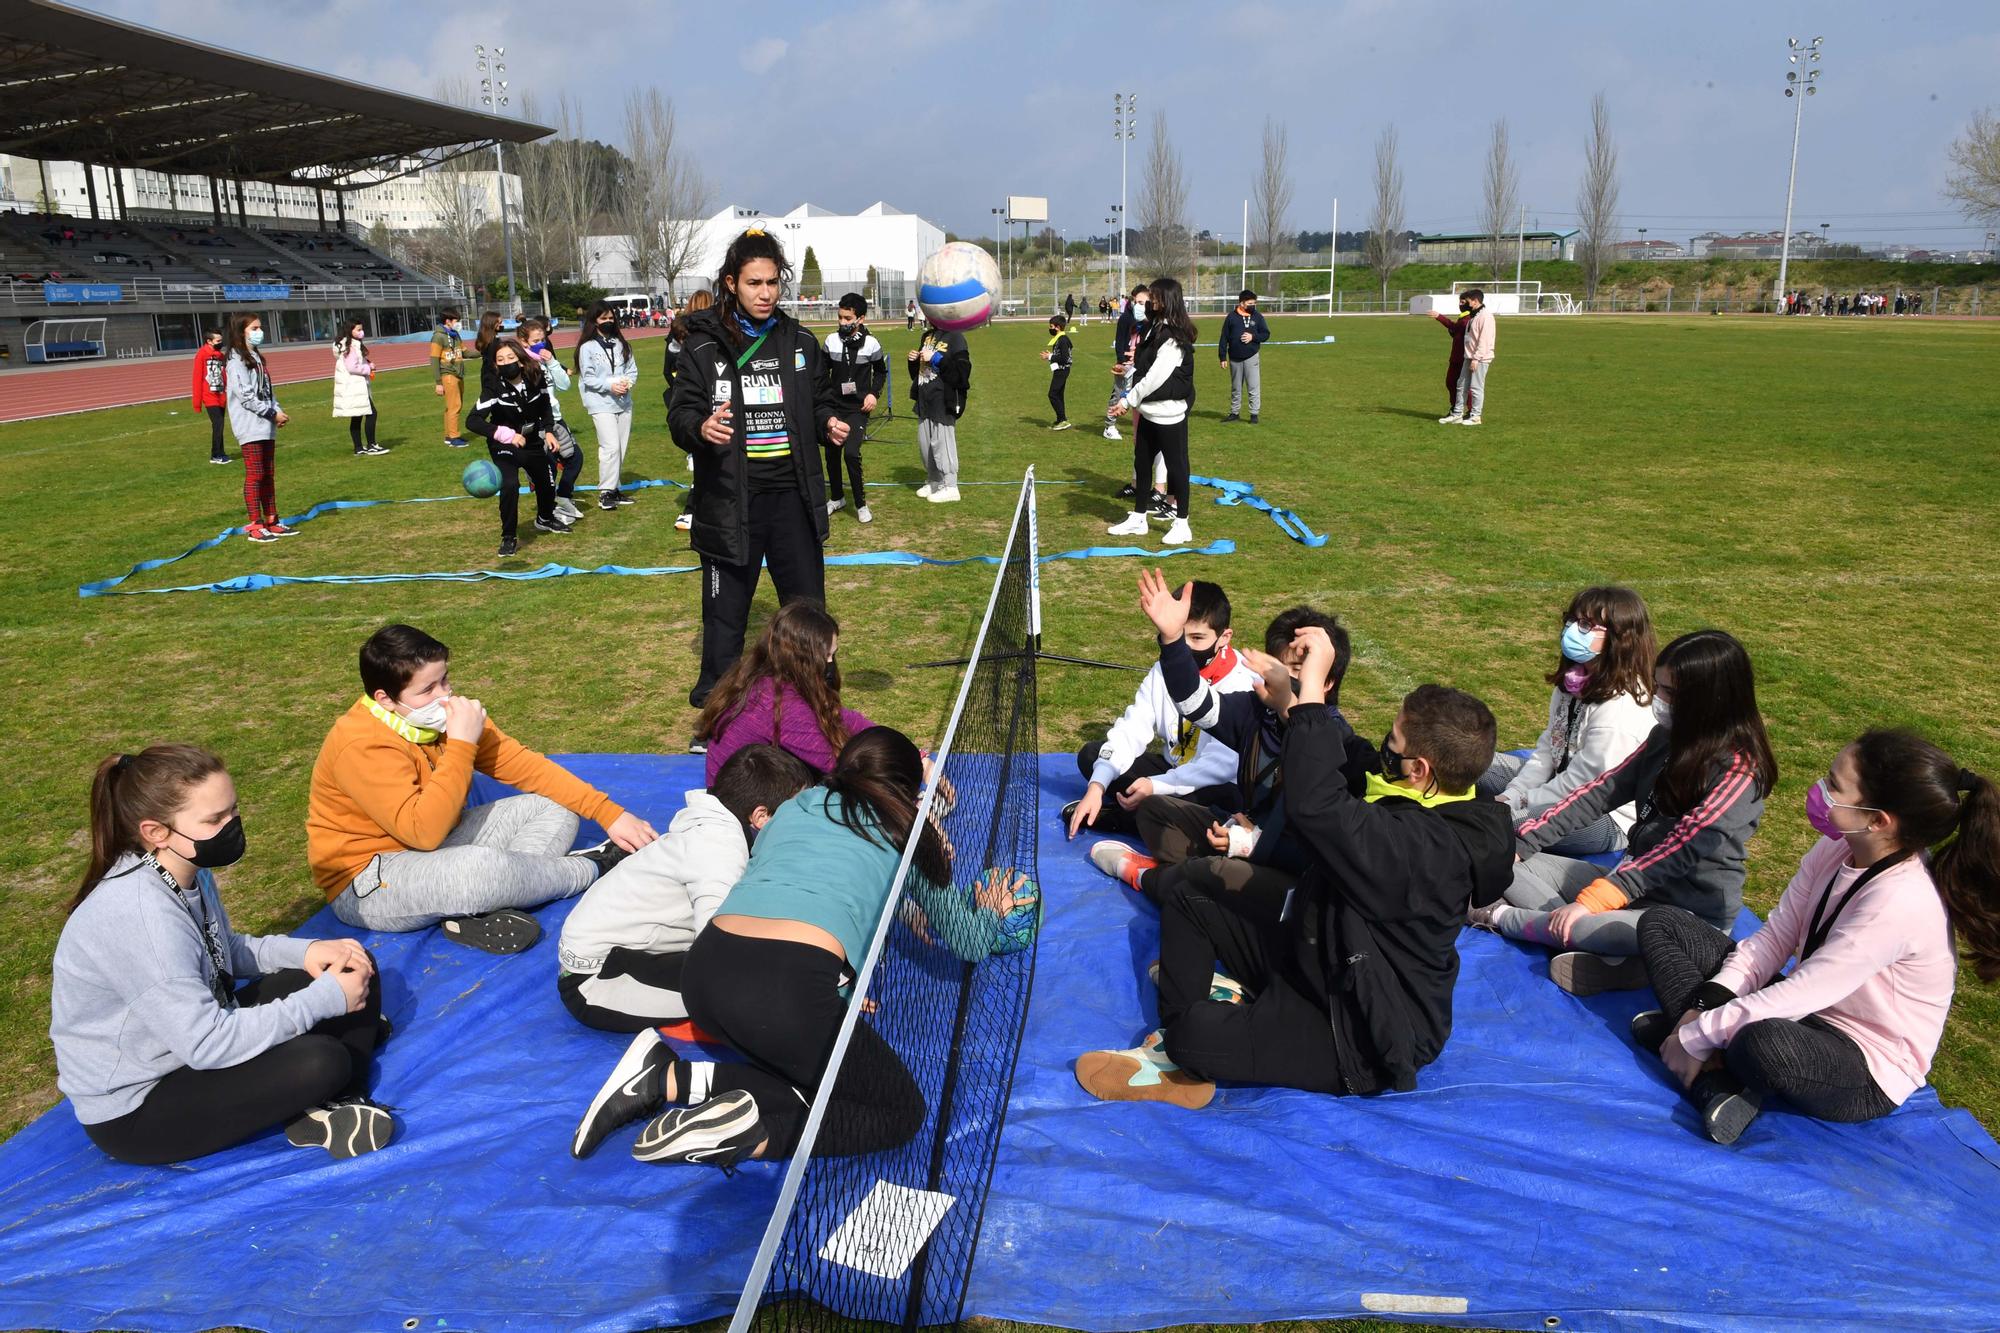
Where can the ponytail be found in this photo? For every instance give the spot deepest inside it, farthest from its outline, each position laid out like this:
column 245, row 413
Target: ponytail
column 877, row 777
column 754, row 243
column 129, row 789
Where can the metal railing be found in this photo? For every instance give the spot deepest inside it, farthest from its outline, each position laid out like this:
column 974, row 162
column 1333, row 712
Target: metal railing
column 164, row 291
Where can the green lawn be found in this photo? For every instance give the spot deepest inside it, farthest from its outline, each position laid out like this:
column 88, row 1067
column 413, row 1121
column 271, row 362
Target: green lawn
column 1825, row 490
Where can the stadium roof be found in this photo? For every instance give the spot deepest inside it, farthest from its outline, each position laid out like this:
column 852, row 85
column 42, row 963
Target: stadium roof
column 82, row 87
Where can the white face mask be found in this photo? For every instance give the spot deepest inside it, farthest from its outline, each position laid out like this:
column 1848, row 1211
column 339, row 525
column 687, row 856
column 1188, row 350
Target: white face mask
column 431, row 717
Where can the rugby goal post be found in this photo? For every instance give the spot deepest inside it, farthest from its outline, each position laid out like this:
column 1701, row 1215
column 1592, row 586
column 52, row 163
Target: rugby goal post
column 1505, row 297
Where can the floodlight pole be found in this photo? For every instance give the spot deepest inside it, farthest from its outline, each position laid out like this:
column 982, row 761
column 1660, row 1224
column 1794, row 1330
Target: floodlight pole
column 1520, row 244
column 493, row 95
column 1798, row 89
column 1124, row 119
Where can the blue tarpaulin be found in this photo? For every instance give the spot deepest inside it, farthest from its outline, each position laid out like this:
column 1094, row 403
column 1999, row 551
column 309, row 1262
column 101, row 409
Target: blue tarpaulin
column 1543, row 1170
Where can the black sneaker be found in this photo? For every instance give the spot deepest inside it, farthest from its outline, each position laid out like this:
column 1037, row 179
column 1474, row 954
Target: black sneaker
column 1128, row 491
column 696, row 745
column 552, row 525
column 623, row 499
column 637, row 1087
column 508, row 546
column 1233, row 416
column 222, row 459
column 1163, row 506
column 607, row 500
column 1726, row 1115
column 1253, row 418
column 1651, row 1029
column 346, row 1128
column 1069, row 812
column 722, row 1131
column 376, row 449
column 604, row 856
column 1582, row 973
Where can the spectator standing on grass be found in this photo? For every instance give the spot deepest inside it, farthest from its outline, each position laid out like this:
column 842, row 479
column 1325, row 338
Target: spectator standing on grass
column 254, row 419
column 211, row 390
column 607, row 370
column 353, row 374
column 1161, row 394
column 1456, row 328
column 448, row 374
column 1244, row 332
column 1480, row 336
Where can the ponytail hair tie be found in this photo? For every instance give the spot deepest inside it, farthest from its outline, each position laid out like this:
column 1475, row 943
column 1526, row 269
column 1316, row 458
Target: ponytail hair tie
column 124, row 761
column 1967, row 779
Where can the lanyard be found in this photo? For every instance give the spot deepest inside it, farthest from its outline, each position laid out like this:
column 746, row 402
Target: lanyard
column 221, row 984
column 1817, row 932
column 1569, row 733
column 751, row 350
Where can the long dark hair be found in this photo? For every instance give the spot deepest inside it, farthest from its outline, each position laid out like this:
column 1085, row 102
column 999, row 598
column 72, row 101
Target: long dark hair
column 756, row 243
column 489, row 331
column 531, row 377
column 792, row 651
column 1940, row 805
column 590, row 330
column 1168, row 310
column 239, row 338
column 1714, row 716
column 347, row 339
column 129, row 789
column 877, row 777
column 1626, row 664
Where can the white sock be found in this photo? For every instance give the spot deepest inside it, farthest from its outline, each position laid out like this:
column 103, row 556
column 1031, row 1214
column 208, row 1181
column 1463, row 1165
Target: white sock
column 700, row 1075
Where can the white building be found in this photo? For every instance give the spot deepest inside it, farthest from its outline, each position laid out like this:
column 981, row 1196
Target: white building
column 408, row 203
column 845, row 245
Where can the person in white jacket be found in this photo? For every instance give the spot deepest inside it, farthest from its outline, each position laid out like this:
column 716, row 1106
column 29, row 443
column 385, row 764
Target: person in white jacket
column 623, row 945
column 352, row 373
column 1600, row 711
column 607, row 370
column 1162, row 392
column 1124, row 769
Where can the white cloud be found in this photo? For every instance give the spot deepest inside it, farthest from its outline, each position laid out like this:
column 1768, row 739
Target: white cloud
column 760, row 55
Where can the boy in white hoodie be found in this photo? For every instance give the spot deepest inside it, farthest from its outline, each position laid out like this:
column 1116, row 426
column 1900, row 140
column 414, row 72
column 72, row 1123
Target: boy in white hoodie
column 624, row 944
column 1123, row 769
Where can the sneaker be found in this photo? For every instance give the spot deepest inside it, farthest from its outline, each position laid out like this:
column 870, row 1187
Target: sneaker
column 722, row 1131
column 924, row 491
column 1121, row 863
column 1471, row 421
column 1726, row 1115
column 553, row 525
column 863, row 514
column 607, row 500
column 1481, row 918
column 1222, row 988
column 696, row 745
column 1451, row 420
column 622, row 498
column 1111, row 433
column 636, row 1087
column 604, row 855
column 1233, row 417
column 376, row 449
column 346, row 1128
column 1253, row 418
column 508, row 546
column 686, row 521
column 257, row 532
column 1162, row 507
column 277, row 529
column 1142, row 1074
column 1134, row 526
column 1582, row 973
column 947, row 496
column 1128, row 492
column 222, row 459
column 1060, row 425
column 1651, row 1029
column 457, row 442
column 835, row 506
column 1180, row 534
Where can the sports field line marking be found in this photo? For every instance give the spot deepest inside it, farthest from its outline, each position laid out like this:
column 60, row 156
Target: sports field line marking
column 1450, row 588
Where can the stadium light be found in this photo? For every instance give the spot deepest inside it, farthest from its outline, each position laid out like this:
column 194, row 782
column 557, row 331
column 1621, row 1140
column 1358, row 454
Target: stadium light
column 1798, row 89
column 1124, row 122
column 493, row 96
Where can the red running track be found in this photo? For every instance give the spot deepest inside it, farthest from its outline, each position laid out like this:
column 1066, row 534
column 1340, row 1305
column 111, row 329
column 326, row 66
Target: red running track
column 26, row 395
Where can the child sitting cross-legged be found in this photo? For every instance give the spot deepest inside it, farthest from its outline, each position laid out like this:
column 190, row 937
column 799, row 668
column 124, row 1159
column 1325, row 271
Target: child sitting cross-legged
column 624, row 944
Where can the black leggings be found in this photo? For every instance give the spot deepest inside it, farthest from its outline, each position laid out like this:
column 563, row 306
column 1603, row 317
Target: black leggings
column 215, row 449
column 193, row 1112
column 857, row 426
column 779, row 1004
column 1150, row 438
column 1058, row 382
column 529, row 457
column 354, row 427
column 632, row 990
column 1809, row 1063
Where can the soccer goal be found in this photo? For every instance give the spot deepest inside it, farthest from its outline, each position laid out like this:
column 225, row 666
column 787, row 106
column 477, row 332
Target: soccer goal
column 1502, row 298
column 887, row 1238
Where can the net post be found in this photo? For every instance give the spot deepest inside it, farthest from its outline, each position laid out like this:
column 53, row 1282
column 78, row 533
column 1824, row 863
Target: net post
column 1034, row 565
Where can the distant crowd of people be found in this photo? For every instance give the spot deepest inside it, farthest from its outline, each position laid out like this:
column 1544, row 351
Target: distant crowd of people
column 1860, row 303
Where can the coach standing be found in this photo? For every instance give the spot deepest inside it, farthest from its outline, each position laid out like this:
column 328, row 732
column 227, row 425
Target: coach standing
column 1244, row 332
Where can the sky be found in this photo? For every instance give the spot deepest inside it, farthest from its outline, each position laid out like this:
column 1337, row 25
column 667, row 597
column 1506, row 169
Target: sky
column 945, row 109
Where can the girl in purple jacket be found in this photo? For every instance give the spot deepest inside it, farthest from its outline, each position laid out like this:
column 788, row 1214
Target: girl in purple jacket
column 783, row 692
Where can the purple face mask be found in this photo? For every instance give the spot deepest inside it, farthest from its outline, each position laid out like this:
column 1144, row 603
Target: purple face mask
column 1819, row 812
column 1573, row 679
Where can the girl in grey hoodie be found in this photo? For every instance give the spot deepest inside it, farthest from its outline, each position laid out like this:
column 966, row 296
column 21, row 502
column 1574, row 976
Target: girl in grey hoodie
column 164, row 1057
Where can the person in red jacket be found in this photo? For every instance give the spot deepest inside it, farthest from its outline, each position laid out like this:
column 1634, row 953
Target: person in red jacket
column 211, row 391
column 1456, row 328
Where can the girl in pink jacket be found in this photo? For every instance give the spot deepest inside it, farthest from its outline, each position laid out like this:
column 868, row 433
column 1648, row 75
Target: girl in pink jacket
column 1849, row 1033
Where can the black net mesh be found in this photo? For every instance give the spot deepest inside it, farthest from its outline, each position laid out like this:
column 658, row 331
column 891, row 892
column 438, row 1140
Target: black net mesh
column 860, row 1247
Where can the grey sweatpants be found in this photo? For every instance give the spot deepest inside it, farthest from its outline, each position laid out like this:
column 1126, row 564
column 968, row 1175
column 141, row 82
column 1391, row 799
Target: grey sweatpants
column 1471, row 400
column 1249, row 373
column 1542, row 883
column 507, row 854
column 937, row 445
column 1599, row 835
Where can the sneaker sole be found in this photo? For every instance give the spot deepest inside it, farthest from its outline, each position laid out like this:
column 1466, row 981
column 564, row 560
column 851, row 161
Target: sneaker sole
column 630, row 1067
column 699, row 1134
column 1581, row 973
column 503, row 932
column 345, row 1132
column 1727, row 1117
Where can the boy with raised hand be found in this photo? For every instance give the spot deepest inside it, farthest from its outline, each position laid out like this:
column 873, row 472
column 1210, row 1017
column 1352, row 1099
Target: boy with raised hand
column 856, row 369
column 1350, row 991
column 624, row 943
column 1191, row 765
column 388, row 835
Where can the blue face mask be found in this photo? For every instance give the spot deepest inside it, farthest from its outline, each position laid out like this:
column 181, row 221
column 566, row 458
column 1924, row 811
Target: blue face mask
column 255, row 337
column 1576, row 643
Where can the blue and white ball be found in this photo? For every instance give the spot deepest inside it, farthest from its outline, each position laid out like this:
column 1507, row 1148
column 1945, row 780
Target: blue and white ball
column 958, row 287
column 1020, row 926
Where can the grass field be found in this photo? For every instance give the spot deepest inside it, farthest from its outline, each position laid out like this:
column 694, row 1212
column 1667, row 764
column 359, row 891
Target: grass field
column 1825, row 490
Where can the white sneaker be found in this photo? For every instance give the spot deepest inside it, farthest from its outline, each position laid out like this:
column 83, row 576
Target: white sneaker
column 948, row 495
column 863, row 514
column 685, row 521
column 924, row 491
column 835, row 506
column 1451, row 420
column 1133, row 526
column 1111, row 433
column 1470, row 421
column 1180, row 534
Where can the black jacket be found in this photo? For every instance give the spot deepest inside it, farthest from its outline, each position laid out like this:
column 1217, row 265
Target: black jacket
column 943, row 399
column 706, row 369
column 516, row 405
column 1384, row 902
column 860, row 362
column 1178, row 386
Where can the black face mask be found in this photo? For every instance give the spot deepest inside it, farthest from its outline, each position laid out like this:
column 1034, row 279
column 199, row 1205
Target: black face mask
column 1203, row 656
column 1392, row 758
column 514, row 371
column 223, row 848
column 606, row 327
column 832, row 674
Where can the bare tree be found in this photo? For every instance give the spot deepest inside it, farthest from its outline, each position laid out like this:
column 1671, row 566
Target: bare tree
column 1164, row 236
column 1974, row 182
column 451, row 244
column 576, row 182
column 1273, row 197
column 661, row 206
column 1385, row 249
column 1597, row 197
column 1502, row 195
column 544, row 245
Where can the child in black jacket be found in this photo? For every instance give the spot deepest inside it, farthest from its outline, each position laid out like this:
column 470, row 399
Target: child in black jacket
column 1058, row 354
column 856, row 371
column 519, row 428
column 940, row 375
column 1350, row 992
